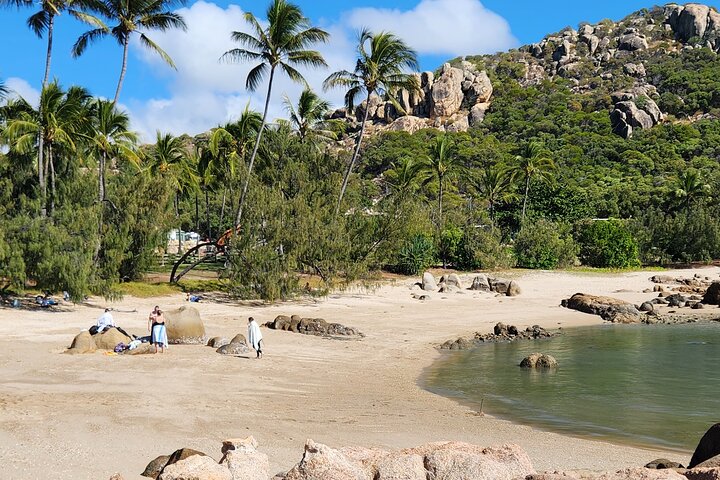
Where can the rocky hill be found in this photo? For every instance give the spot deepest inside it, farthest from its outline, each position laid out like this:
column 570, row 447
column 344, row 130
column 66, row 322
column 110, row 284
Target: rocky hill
column 608, row 61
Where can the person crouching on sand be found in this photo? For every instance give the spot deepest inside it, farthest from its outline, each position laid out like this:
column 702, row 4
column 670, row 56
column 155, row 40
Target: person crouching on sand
column 255, row 336
column 158, row 331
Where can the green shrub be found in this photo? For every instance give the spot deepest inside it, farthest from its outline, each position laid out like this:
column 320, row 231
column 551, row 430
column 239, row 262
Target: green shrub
column 416, row 255
column 449, row 247
column 607, row 244
column 545, row 245
column 483, row 249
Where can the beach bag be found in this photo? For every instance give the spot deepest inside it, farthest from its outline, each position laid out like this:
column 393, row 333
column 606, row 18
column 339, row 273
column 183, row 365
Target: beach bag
column 120, row 347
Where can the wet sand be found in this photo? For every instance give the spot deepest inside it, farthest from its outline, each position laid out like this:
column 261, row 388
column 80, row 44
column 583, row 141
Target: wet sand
column 89, row 416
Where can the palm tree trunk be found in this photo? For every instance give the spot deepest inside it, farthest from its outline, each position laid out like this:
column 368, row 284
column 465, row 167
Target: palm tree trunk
column 123, row 69
column 41, row 174
column 440, row 199
column 197, row 213
column 355, row 155
column 52, row 180
column 101, row 178
column 222, row 209
column 48, row 57
column 238, row 217
column 207, row 215
column 527, row 190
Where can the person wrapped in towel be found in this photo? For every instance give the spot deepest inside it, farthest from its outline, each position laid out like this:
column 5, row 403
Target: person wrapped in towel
column 158, row 330
column 255, row 336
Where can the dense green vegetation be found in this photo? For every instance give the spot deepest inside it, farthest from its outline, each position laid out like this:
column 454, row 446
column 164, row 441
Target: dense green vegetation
column 541, row 183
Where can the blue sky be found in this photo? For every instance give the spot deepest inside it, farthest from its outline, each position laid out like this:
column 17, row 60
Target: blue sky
column 203, row 93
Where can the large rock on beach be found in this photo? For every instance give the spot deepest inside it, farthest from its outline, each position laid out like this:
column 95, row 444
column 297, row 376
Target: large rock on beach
column 217, row 342
column 322, row 462
column 608, row 308
column 82, row 343
column 459, row 461
column 244, row 461
column 480, row 283
column 662, row 464
column 182, row 454
column 239, row 338
column 708, row 447
column 712, row 295
column 452, row 279
column 428, row 282
column 110, row 339
column 184, row 326
column 233, row 348
column 513, row 289
column 197, row 467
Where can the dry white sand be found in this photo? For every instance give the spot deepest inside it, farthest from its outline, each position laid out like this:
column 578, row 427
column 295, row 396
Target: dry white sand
column 88, row 416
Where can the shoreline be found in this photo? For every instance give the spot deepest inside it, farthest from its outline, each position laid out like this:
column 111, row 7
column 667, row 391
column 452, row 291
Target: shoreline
column 365, row 392
column 487, row 410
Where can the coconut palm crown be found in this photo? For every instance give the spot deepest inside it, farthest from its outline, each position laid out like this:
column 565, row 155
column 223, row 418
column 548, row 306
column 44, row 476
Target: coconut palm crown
column 133, row 16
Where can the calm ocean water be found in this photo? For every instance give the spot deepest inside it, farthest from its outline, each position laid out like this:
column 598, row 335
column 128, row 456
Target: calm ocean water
column 644, row 385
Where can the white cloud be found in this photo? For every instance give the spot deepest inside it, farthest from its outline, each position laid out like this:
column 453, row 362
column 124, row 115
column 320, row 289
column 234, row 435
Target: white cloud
column 21, row 88
column 206, row 92
column 440, row 27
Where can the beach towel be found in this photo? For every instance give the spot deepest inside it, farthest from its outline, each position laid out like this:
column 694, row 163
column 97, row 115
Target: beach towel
column 254, row 335
column 159, row 335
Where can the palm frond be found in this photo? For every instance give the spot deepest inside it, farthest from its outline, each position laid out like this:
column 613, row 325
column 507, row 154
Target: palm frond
column 156, row 48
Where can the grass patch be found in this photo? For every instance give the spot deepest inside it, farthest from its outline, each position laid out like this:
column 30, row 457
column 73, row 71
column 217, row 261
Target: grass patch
column 600, row 271
column 147, row 290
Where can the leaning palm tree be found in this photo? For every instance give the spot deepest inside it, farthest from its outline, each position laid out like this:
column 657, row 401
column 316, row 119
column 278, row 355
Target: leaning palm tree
column 440, row 165
column 43, row 21
column 133, row 16
column 534, row 162
column 55, row 127
column 282, row 44
column 382, row 61
column 308, row 118
column 494, row 184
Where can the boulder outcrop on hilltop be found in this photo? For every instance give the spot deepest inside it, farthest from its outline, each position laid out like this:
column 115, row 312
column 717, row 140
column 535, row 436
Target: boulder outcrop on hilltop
column 453, row 100
column 608, row 58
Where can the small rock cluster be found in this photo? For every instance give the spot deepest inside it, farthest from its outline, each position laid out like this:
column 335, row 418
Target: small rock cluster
column 482, row 283
column 539, row 360
column 312, row 326
column 236, row 346
column 501, row 333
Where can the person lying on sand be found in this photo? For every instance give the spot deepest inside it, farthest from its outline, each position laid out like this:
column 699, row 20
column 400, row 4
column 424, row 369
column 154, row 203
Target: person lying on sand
column 105, row 322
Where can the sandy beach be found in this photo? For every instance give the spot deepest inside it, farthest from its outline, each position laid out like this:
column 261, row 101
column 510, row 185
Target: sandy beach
column 88, row 416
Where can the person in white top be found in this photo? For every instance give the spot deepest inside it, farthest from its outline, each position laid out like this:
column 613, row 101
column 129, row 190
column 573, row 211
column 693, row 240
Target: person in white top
column 255, row 336
column 105, row 321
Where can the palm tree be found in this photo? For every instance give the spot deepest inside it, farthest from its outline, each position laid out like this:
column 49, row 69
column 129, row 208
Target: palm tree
column 228, row 146
column 44, row 20
column 282, row 44
column 494, row 184
column 133, row 16
column 4, row 91
column 57, row 125
column 690, row 187
column 112, row 139
column 380, row 68
column 440, row 165
column 170, row 159
column 534, row 162
column 308, row 118
column 404, row 176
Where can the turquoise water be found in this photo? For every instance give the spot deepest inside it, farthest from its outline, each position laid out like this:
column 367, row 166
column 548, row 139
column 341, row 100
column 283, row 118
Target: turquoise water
column 645, row 385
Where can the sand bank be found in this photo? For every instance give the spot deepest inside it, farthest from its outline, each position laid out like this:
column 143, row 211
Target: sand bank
column 88, row 416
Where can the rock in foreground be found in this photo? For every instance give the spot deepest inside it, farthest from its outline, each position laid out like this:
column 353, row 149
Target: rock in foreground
column 539, row 360
column 312, row 326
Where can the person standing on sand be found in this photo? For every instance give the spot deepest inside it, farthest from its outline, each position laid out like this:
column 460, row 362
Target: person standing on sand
column 255, row 336
column 158, row 331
